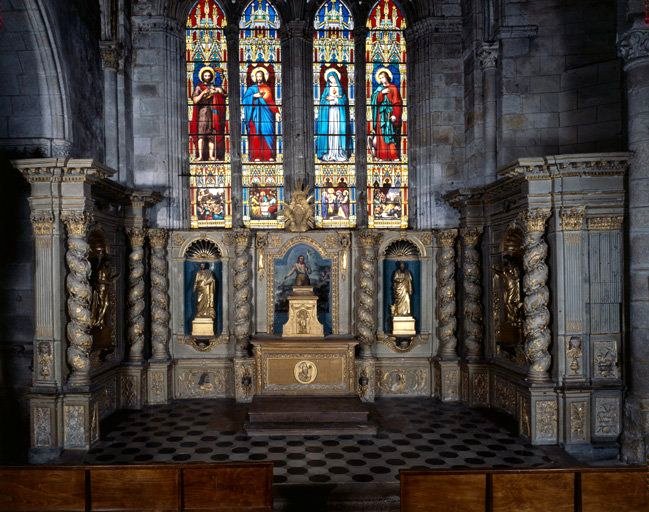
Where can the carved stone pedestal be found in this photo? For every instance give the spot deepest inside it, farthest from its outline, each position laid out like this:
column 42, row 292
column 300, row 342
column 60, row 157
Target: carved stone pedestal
column 245, row 381
column 576, row 409
column 203, row 327
column 539, row 416
column 447, row 380
column 158, row 383
column 80, row 421
column 45, row 415
column 132, row 386
column 474, row 384
column 303, row 314
column 403, row 326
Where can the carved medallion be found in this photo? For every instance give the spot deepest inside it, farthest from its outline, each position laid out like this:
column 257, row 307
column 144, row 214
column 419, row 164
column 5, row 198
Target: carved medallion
column 305, row 372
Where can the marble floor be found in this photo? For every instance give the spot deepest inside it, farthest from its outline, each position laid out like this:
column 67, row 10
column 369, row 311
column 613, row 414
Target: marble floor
column 412, row 433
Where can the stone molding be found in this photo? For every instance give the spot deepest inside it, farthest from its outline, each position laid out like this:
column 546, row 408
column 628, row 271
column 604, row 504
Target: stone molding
column 633, row 45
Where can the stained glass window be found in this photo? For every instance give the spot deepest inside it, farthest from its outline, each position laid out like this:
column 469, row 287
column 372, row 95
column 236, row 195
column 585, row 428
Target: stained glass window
column 334, row 97
column 261, row 115
column 387, row 120
column 208, row 116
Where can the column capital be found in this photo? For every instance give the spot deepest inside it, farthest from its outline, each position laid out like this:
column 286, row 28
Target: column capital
column 110, row 53
column 77, row 222
column 470, row 235
column 446, row 237
column 487, row 54
column 534, row 220
column 633, row 45
column 136, row 236
column 158, row 237
column 572, row 219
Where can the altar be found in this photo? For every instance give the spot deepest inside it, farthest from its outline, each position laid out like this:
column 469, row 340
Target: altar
column 305, row 366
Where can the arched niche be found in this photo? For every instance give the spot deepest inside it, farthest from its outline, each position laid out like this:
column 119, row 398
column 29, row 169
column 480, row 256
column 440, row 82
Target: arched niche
column 401, row 257
column 507, row 296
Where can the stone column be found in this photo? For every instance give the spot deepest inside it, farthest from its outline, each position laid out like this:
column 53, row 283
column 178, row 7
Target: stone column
column 242, row 294
column 109, row 63
column 488, row 55
column 158, row 375
column 136, row 295
column 360, row 39
column 297, row 112
column 366, row 302
column 634, row 49
column 447, row 371
column 234, row 101
column 77, row 285
column 537, row 296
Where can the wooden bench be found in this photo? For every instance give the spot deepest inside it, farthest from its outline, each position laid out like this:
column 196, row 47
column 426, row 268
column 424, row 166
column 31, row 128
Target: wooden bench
column 162, row 487
column 617, row 489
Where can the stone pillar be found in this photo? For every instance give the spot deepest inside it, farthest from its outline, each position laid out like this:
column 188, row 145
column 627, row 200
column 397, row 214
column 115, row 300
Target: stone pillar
column 366, row 301
column 242, row 290
column 297, row 112
column 488, row 55
column 234, row 100
column 537, row 296
column 360, row 39
column 474, row 384
column 109, row 63
column 447, row 372
column 158, row 375
column 77, row 285
column 136, row 295
column 634, row 49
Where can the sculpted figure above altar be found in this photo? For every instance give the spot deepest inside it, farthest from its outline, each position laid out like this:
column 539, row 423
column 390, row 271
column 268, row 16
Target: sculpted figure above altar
column 403, row 323
column 204, row 287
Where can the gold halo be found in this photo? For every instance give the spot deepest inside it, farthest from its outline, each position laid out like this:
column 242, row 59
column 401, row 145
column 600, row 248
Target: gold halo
column 206, row 68
column 383, row 70
column 262, row 69
column 332, row 70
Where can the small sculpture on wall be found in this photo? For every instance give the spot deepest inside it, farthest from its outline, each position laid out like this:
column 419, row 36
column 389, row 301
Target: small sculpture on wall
column 403, row 323
column 204, row 288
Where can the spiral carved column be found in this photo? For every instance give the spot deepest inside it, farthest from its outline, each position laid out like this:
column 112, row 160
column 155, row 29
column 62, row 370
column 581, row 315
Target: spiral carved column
column 537, row 296
column 136, row 294
column 366, row 310
column 159, row 295
column 79, row 293
column 242, row 290
column 446, row 309
column 473, row 318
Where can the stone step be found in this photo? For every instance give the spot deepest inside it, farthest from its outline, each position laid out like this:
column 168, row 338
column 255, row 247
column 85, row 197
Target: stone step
column 308, row 429
column 312, row 410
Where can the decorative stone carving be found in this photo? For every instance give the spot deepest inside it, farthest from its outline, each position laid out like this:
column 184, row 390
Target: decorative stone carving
column 130, row 391
column 136, row 294
column 366, row 379
column 487, row 55
column 74, row 432
column 299, row 212
column 605, row 360
column 261, row 242
column 42, row 427
column 159, row 295
column 480, row 388
column 203, row 382
column 504, row 395
column 578, row 419
column 204, row 344
column 537, row 295
column 42, row 223
column 110, row 54
column 79, row 292
column 402, row 344
column 244, row 379
column 634, row 45
column 607, row 416
column 605, row 223
column 45, row 359
column 402, row 381
column 546, row 420
column 446, row 309
column 242, row 296
column 572, row 219
column 574, row 354
column 473, row 317
column 366, row 313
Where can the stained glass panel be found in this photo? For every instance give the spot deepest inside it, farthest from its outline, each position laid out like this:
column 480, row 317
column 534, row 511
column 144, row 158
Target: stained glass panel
column 208, row 116
column 334, row 93
column 387, row 118
column 261, row 115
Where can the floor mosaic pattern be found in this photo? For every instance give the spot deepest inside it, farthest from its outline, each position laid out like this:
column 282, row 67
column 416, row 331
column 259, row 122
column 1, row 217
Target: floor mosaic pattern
column 415, row 433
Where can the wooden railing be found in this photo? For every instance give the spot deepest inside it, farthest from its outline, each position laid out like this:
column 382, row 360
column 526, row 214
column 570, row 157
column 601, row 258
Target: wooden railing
column 162, row 487
column 617, row 489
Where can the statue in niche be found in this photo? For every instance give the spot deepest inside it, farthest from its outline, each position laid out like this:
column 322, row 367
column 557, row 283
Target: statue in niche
column 403, row 323
column 204, row 291
column 301, row 270
column 511, row 288
column 401, row 291
column 101, row 281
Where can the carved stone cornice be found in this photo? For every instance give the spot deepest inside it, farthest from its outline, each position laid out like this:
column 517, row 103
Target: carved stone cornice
column 534, row 220
column 487, row 55
column 605, row 223
column 633, row 45
column 77, row 222
column 42, row 222
column 572, row 219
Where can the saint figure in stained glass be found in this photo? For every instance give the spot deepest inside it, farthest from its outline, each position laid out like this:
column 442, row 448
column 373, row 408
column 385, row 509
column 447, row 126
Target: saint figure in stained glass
column 332, row 127
column 260, row 113
column 386, row 118
column 209, row 117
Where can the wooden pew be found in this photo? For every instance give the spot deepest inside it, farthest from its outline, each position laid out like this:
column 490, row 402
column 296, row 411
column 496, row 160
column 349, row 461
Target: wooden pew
column 537, row 491
column 445, row 492
column 27, row 489
column 615, row 490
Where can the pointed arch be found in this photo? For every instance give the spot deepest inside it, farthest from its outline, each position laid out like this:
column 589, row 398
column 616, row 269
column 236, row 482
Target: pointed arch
column 210, row 176
column 387, row 116
column 334, row 94
column 260, row 68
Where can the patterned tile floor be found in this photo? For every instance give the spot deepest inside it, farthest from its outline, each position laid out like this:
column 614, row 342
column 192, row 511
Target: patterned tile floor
column 413, row 433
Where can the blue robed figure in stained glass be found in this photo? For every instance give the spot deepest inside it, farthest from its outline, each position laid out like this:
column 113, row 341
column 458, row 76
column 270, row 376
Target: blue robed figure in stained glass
column 333, row 141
